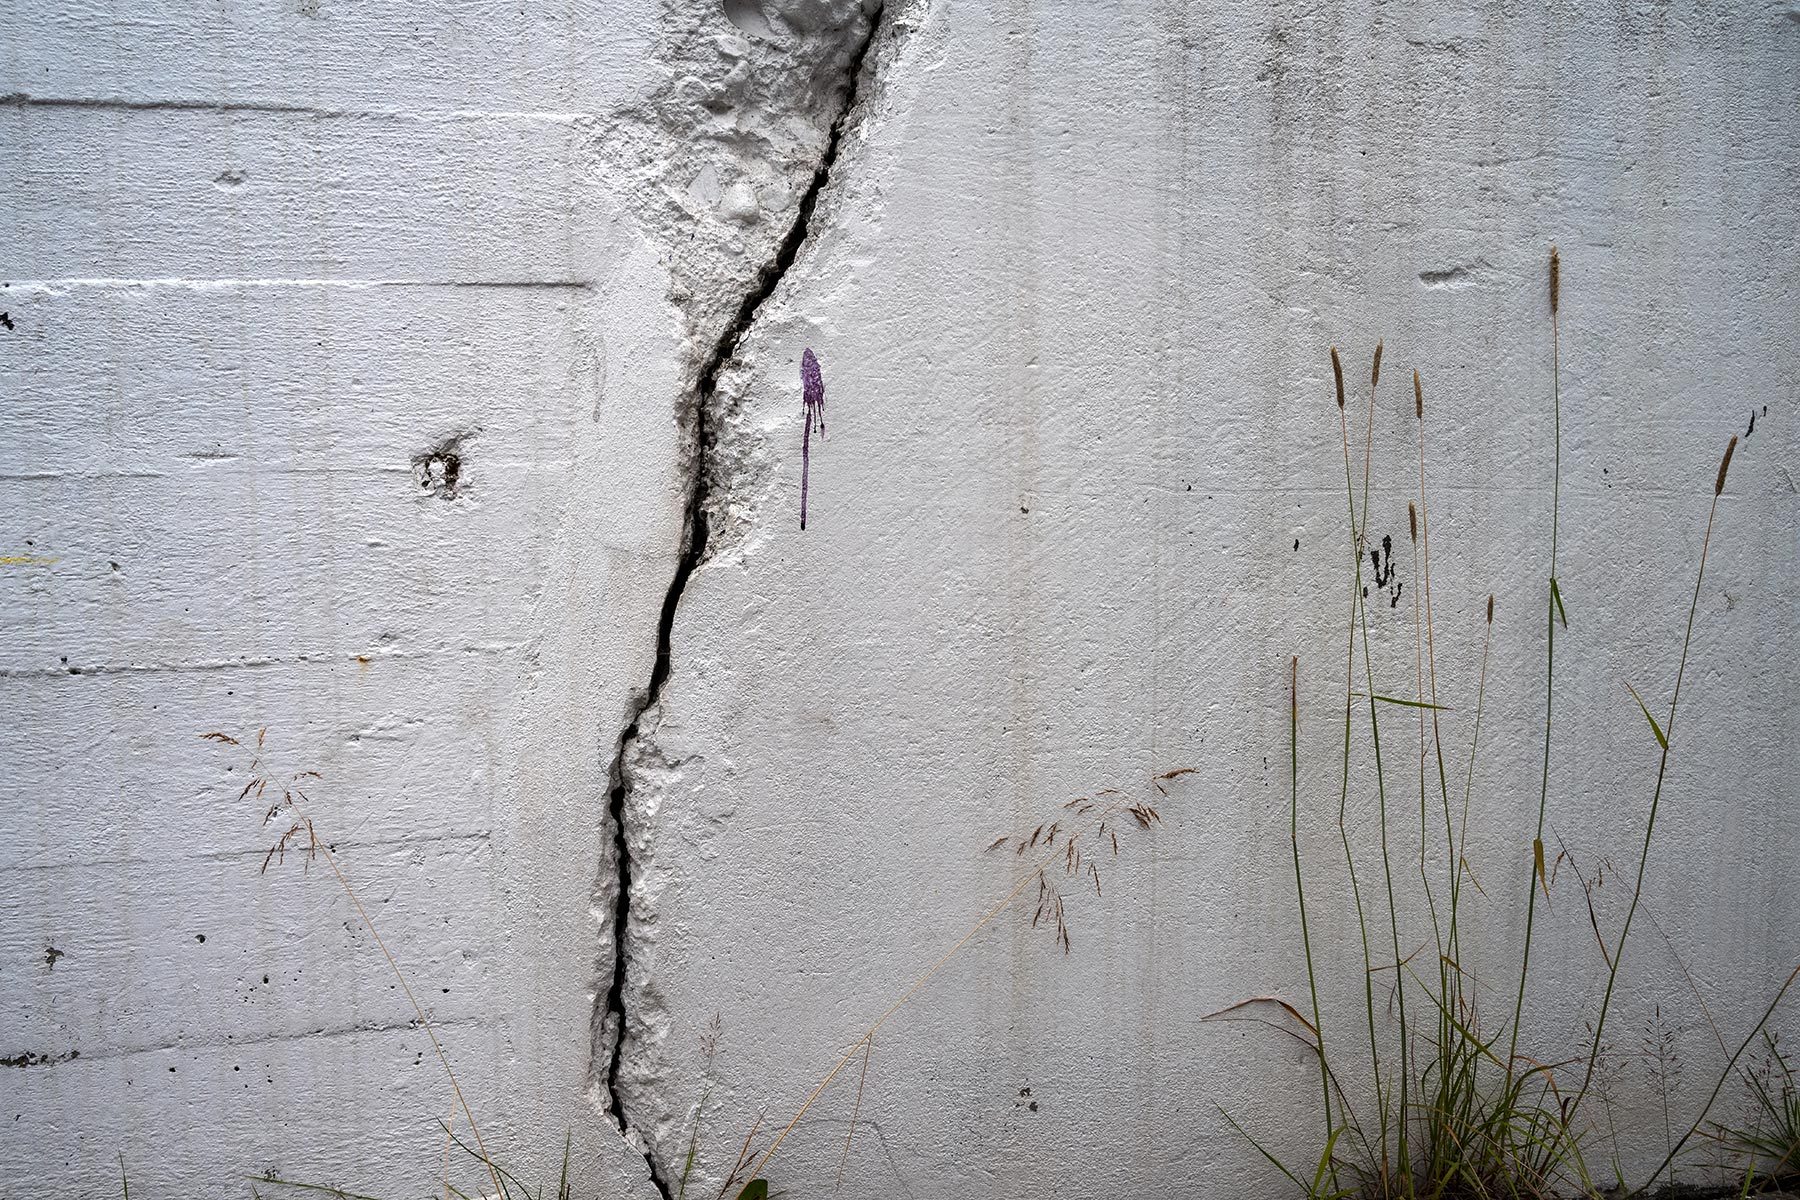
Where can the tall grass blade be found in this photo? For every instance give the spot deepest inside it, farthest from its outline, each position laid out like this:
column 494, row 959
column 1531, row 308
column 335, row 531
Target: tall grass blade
column 1662, row 739
column 1312, row 982
column 1555, row 606
column 1666, row 732
column 1780, row 994
column 1261, row 1149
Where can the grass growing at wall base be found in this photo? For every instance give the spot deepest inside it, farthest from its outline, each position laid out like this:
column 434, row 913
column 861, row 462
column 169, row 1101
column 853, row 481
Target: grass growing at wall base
column 1460, row 1111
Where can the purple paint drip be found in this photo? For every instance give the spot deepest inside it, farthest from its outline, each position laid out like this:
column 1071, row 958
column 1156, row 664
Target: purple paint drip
column 812, row 405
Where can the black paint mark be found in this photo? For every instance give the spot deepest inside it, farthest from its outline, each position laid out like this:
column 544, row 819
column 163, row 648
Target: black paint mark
column 1383, row 576
column 1385, row 571
column 6, row 320
column 33, row 1059
column 51, row 954
column 1752, row 428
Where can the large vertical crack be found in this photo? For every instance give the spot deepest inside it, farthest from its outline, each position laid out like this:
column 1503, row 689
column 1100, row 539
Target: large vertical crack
column 693, row 552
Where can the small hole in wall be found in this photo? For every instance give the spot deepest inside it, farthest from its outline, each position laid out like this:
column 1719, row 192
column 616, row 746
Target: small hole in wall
column 440, row 471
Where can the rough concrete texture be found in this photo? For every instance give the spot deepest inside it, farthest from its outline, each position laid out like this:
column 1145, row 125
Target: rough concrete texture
column 342, row 399
column 424, row 388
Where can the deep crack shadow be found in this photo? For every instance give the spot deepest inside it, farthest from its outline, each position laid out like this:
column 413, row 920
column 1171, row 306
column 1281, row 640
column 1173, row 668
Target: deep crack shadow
column 693, row 553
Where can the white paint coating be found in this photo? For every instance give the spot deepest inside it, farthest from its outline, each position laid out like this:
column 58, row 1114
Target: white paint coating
column 259, row 264
column 1071, row 282
column 1073, row 301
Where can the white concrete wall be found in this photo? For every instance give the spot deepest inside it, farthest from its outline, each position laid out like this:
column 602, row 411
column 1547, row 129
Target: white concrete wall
column 259, row 258
column 1072, row 275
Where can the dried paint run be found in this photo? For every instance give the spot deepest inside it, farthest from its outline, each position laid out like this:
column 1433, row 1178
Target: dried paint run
column 812, row 404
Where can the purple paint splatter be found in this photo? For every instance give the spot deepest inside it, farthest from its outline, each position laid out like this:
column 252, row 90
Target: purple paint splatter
column 812, row 404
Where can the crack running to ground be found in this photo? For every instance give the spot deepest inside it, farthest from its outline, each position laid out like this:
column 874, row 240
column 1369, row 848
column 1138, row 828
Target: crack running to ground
column 693, row 553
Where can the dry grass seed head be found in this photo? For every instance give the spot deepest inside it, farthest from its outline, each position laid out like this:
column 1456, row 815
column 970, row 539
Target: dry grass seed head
column 709, row 1036
column 1050, row 904
column 1418, row 396
column 1375, row 371
column 278, row 852
column 1724, row 465
column 1337, row 372
column 1158, row 780
column 1555, row 280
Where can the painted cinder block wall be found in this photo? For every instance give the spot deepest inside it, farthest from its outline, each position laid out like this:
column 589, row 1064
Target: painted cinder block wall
column 1072, row 272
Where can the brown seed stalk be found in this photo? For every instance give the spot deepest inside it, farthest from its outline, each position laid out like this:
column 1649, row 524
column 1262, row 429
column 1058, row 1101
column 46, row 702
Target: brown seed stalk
column 1490, row 608
column 1337, row 371
column 1724, row 464
column 1555, row 280
column 1375, row 371
column 1418, row 396
column 1412, row 521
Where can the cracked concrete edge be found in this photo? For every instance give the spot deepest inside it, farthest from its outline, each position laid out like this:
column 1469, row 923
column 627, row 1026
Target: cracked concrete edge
column 716, row 159
column 627, row 1073
column 742, row 462
column 750, row 431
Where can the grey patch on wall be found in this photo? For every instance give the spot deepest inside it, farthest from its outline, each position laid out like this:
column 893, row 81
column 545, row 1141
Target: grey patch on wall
column 590, row 367
column 442, row 471
column 1461, row 275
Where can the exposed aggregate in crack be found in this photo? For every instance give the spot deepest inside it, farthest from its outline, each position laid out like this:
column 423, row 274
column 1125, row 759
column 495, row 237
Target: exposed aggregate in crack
column 722, row 156
column 740, row 144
